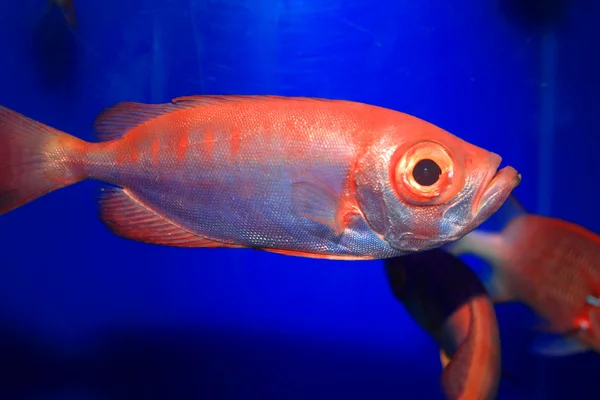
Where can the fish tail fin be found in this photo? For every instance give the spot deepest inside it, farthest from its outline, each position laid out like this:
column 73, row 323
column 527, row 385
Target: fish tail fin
column 35, row 159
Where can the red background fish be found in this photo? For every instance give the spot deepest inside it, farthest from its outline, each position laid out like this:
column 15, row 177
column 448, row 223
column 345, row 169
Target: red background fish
column 446, row 298
column 551, row 265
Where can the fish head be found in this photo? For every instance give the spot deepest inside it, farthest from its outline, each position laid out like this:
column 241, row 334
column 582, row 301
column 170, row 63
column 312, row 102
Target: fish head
column 424, row 188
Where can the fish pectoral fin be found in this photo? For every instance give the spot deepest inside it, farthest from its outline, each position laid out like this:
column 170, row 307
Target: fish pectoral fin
column 125, row 216
column 557, row 346
column 312, row 198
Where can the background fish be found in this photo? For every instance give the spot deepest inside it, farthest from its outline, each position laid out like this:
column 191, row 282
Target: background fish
column 551, row 265
column 447, row 299
column 298, row 176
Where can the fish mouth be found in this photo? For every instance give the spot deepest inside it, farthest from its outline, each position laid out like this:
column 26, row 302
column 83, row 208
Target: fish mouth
column 499, row 187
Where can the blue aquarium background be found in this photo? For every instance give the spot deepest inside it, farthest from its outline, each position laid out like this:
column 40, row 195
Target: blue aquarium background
column 87, row 315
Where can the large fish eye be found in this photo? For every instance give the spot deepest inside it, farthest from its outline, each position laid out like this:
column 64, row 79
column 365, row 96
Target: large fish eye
column 424, row 173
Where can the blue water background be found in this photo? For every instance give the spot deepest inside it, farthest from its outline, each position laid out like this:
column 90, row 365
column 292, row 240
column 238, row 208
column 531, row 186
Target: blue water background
column 87, row 315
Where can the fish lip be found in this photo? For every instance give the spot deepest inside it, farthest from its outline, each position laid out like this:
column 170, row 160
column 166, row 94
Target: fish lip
column 498, row 188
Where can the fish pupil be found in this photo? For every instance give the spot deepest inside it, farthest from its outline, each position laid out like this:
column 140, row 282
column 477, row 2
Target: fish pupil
column 426, row 172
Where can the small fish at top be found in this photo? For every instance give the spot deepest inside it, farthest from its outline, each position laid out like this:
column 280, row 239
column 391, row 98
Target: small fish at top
column 68, row 10
column 552, row 266
column 447, row 299
column 299, row 176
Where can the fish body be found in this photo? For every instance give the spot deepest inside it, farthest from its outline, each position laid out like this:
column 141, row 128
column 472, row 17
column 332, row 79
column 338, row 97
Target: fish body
column 447, row 299
column 552, row 266
column 299, row 176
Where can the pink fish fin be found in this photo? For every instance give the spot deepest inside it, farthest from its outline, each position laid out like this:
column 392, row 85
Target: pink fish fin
column 321, row 256
column 557, row 345
column 208, row 99
column 114, row 122
column 35, row 159
column 455, row 373
column 315, row 199
column 467, row 375
column 125, row 216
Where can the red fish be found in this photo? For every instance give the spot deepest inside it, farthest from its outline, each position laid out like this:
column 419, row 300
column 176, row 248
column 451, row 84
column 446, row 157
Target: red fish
column 552, row 266
column 447, row 299
column 306, row 177
column 68, row 10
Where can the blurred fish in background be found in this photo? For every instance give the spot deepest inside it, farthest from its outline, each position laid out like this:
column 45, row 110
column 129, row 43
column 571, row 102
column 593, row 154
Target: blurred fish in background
column 447, row 299
column 552, row 266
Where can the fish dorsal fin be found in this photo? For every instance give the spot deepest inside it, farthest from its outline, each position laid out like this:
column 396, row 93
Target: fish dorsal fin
column 241, row 98
column 125, row 216
column 114, row 122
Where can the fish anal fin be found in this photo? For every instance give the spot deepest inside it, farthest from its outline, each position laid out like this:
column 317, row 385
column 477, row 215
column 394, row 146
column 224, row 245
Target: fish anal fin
column 321, row 256
column 127, row 217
